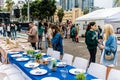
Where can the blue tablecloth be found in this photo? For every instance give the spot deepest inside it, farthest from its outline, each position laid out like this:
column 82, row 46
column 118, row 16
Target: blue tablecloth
column 57, row 73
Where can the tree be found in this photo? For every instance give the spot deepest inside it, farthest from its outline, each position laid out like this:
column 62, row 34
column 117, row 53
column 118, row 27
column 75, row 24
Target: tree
column 117, row 3
column 9, row 5
column 47, row 8
column 85, row 11
column 60, row 14
column 40, row 9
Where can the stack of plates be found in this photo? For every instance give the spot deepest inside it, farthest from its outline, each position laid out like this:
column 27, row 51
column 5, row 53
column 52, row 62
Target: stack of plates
column 76, row 71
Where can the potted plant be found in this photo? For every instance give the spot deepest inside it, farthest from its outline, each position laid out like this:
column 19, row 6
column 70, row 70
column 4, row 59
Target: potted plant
column 31, row 53
column 38, row 57
column 80, row 76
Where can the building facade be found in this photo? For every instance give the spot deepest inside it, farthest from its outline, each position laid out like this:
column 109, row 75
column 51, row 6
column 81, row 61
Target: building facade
column 82, row 4
column 1, row 4
column 70, row 15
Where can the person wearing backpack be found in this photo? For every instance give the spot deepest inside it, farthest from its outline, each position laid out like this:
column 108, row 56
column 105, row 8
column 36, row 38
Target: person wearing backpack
column 73, row 33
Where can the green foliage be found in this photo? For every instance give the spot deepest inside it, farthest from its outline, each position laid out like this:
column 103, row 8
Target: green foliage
column 40, row 9
column 60, row 14
column 86, row 11
column 24, row 10
column 117, row 3
column 9, row 4
column 80, row 76
column 30, row 51
column 38, row 56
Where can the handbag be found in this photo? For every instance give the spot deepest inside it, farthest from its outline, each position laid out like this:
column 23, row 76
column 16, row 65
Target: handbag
column 109, row 55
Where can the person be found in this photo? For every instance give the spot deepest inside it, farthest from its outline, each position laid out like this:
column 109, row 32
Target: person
column 4, row 30
column 91, row 41
column 73, row 33
column 99, row 32
column 49, row 33
column 57, row 40
column 12, row 29
column 40, row 35
column 16, row 27
column 32, row 35
column 1, row 31
column 45, row 33
column 77, row 36
column 8, row 30
column 110, row 43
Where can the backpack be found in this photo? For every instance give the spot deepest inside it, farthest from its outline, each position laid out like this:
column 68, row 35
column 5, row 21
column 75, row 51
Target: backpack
column 73, row 32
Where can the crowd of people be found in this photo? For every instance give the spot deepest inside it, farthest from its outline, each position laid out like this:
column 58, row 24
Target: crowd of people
column 8, row 30
column 53, row 34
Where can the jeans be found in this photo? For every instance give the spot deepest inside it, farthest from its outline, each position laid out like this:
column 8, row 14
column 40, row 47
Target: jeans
column 4, row 33
column 13, row 34
column 1, row 32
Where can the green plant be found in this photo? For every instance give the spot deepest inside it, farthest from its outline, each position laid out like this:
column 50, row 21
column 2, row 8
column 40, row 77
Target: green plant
column 30, row 51
column 38, row 56
column 80, row 76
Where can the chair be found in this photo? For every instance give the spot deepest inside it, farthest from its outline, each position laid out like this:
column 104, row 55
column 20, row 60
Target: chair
column 6, row 66
column 3, row 76
column 17, row 76
column 50, row 51
column 97, row 70
column 0, row 63
column 114, row 74
column 80, row 63
column 12, row 70
column 56, row 55
column 68, row 58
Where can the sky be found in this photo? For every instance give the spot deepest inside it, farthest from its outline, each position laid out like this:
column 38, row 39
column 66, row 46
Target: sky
column 99, row 3
column 103, row 3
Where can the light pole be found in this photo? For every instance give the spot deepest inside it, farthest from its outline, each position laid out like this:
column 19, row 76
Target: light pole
column 28, row 11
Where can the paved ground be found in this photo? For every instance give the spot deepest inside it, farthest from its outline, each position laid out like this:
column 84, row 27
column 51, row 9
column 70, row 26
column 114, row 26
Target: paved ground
column 79, row 49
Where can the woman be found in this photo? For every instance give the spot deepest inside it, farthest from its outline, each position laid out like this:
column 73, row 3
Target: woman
column 110, row 44
column 49, row 33
column 40, row 35
column 91, row 41
column 56, row 40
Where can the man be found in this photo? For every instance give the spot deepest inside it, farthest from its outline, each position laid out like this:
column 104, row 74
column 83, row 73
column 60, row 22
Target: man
column 32, row 35
column 77, row 35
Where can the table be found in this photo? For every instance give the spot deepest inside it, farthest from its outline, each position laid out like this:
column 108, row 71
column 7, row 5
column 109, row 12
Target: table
column 5, row 48
column 54, row 74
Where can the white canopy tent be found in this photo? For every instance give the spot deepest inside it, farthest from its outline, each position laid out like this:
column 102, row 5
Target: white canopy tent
column 99, row 16
column 115, row 21
column 114, row 18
